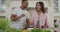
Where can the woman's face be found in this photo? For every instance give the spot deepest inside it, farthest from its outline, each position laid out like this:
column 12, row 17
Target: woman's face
column 38, row 7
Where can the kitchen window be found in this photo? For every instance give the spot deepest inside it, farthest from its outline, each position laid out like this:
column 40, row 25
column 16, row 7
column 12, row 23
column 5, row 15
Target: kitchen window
column 3, row 6
column 56, row 7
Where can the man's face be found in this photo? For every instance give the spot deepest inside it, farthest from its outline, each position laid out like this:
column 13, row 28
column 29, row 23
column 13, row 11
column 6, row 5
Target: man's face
column 25, row 4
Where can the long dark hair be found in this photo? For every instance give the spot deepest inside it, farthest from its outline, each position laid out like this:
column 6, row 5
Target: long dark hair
column 42, row 6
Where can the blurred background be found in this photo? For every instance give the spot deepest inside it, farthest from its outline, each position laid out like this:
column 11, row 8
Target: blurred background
column 52, row 7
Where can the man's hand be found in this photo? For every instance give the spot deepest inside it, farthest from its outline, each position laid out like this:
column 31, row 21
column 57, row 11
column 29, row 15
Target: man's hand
column 22, row 15
column 13, row 17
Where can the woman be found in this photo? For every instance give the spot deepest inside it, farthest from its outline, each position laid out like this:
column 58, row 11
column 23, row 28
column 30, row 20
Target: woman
column 39, row 17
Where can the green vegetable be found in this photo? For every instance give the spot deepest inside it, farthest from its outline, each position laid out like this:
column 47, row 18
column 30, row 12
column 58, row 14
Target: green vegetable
column 48, row 31
column 15, row 30
column 4, row 24
column 33, row 30
column 40, row 30
column 43, row 30
column 36, row 30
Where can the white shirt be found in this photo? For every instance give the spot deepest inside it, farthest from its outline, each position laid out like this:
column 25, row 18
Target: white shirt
column 20, row 23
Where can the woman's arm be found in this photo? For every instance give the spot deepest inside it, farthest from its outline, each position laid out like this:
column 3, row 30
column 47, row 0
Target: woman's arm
column 46, row 21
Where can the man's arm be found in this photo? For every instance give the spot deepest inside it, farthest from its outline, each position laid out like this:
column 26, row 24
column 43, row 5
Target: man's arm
column 14, row 17
column 27, row 23
column 27, row 19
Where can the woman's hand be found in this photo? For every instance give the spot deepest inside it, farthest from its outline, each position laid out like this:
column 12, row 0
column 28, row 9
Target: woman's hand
column 45, row 26
column 31, row 23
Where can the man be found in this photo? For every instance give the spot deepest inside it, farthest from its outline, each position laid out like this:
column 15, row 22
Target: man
column 20, row 16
